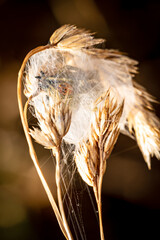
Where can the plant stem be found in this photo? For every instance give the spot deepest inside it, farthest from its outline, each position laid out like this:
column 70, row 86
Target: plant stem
column 97, row 187
column 57, row 154
column 97, row 194
column 100, row 208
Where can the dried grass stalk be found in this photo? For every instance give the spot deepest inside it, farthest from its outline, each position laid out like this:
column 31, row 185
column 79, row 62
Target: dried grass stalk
column 93, row 152
column 54, row 123
column 53, row 140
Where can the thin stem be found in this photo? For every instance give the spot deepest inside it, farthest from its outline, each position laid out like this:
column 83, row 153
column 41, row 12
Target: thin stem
column 100, row 207
column 57, row 154
column 29, row 141
column 97, row 193
column 97, row 187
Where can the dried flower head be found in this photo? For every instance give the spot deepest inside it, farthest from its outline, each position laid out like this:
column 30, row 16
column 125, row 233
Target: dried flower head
column 73, row 63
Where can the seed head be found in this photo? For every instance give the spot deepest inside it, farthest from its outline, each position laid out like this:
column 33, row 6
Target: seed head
column 54, row 118
column 93, row 152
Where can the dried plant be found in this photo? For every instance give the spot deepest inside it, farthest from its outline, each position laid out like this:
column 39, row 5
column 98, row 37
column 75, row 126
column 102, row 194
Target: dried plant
column 85, row 96
column 143, row 121
column 54, row 121
column 93, row 152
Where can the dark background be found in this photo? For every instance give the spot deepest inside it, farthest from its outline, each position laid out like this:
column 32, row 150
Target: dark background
column 131, row 198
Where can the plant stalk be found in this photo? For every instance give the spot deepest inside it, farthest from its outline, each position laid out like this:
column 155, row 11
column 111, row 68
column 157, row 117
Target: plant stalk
column 97, row 194
column 29, row 140
column 57, row 154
